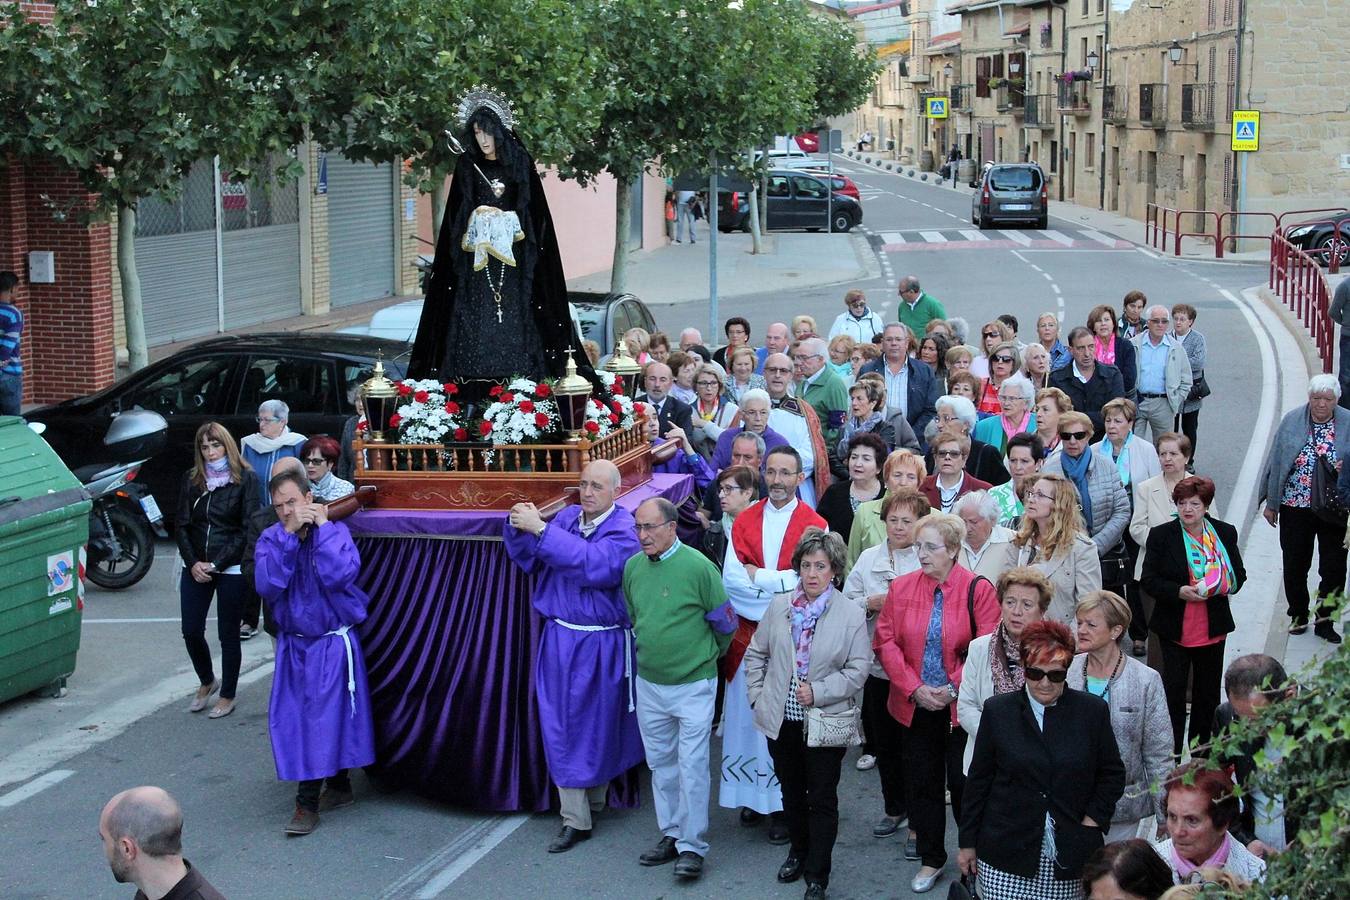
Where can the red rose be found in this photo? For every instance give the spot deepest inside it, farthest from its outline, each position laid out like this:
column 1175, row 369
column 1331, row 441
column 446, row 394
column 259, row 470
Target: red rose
column 461, row 434
column 451, row 407
column 450, row 389
column 613, row 419
column 394, row 420
column 592, row 427
column 421, row 396
column 617, row 390
column 496, row 391
column 507, row 397
column 543, row 391
column 639, row 409
column 540, row 420
column 526, row 406
column 485, row 428
column 404, row 389
column 616, row 407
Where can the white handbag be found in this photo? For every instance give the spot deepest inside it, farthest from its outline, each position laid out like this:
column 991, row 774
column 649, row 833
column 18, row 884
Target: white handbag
column 832, row 729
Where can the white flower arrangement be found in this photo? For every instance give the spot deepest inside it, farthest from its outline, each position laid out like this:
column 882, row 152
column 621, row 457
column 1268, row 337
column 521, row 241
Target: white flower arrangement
column 428, row 414
column 522, row 412
column 602, row 420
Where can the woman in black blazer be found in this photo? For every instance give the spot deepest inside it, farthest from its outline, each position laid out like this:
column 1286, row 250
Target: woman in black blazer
column 1191, row 565
column 1044, row 780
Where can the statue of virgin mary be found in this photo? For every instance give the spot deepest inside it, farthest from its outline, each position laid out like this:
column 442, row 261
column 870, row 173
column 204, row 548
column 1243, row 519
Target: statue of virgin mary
column 496, row 302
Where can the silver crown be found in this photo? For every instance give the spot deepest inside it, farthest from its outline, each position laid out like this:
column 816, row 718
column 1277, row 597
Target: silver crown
column 480, row 96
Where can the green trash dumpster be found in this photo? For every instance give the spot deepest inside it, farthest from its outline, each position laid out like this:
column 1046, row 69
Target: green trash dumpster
column 44, row 525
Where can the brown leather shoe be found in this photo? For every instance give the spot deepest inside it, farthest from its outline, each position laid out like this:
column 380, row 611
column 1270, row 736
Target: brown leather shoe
column 303, row 822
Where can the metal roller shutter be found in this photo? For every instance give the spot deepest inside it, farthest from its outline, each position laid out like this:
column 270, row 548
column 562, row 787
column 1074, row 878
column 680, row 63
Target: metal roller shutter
column 176, row 260
column 361, row 208
column 261, row 248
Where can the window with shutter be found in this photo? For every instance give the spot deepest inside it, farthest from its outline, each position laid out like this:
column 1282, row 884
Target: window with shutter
column 1210, row 17
column 1228, row 12
column 1227, row 179
column 982, row 76
column 1213, row 57
column 998, row 67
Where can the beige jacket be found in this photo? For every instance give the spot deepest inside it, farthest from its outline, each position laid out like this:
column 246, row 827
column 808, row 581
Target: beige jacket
column 1000, row 554
column 840, row 656
column 1071, row 575
column 1153, row 506
column 872, row 574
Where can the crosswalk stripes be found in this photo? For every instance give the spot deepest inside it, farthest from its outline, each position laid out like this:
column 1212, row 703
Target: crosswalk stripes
column 973, row 235
column 1098, row 237
column 912, row 239
column 1058, row 236
column 892, row 237
column 933, row 237
column 1018, row 237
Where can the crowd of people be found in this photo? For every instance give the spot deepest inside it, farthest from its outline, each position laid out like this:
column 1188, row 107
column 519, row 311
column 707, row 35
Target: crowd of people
column 953, row 555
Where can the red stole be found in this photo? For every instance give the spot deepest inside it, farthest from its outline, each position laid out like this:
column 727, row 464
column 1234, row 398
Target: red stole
column 747, row 541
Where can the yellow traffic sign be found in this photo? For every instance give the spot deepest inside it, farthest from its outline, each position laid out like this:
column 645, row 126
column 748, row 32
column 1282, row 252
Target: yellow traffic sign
column 1246, row 130
column 937, row 108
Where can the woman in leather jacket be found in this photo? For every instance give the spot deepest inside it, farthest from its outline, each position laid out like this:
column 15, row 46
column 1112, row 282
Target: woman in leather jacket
column 219, row 494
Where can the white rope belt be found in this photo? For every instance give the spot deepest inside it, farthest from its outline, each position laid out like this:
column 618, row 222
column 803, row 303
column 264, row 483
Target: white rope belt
column 627, row 653
column 351, row 661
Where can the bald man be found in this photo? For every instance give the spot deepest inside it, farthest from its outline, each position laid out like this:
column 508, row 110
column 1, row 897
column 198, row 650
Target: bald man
column 584, row 669
column 776, row 339
column 142, row 832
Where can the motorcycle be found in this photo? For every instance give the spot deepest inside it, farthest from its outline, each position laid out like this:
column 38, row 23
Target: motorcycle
column 125, row 519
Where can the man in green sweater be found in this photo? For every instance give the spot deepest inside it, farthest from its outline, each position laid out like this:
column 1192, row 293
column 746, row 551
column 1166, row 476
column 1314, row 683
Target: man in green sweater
column 820, row 386
column 917, row 309
column 682, row 623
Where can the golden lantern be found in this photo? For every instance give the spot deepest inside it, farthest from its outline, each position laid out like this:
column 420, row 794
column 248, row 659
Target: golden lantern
column 378, row 399
column 624, row 367
column 572, row 392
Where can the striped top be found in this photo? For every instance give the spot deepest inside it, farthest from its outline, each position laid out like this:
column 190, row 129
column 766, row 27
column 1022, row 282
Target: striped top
column 11, row 327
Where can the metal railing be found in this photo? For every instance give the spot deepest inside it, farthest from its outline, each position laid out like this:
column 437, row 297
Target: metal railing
column 1075, row 97
column 1297, row 279
column 1047, row 38
column 1153, row 105
column 961, row 95
column 1039, row 111
column 1197, row 106
column 1115, row 103
column 1163, row 224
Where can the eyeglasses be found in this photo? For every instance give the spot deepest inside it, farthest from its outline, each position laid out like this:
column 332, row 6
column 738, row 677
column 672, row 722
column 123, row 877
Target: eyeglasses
column 267, row 420
column 1073, row 435
column 779, row 369
column 315, row 461
column 1011, row 399
column 929, row 549
column 857, row 301
column 706, row 384
column 1002, row 358
column 643, row 527
column 1056, row 676
column 728, row 488
column 803, row 357
column 991, row 334
column 949, row 454
column 1036, row 494
column 1160, row 321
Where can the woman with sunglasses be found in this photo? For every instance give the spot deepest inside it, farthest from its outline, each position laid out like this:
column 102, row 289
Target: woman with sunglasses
column 1052, row 540
column 992, row 334
column 1101, row 496
column 1112, row 348
column 922, row 637
column 1044, row 779
column 1051, row 403
column 1003, row 362
column 320, row 455
column 1191, row 565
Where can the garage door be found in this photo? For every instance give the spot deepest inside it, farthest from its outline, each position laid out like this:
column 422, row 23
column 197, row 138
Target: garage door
column 176, row 260
column 361, row 207
column 260, row 242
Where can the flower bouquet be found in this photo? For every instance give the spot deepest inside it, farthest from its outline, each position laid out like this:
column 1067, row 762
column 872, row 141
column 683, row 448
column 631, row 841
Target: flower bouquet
column 602, row 420
column 522, row 412
column 428, row 414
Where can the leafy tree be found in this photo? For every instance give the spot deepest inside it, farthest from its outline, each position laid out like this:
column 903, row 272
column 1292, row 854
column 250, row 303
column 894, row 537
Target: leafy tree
column 1306, row 760
column 130, row 94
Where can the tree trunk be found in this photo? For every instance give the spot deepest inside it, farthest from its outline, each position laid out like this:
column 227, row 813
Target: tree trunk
column 623, row 202
column 131, row 287
column 439, row 194
column 756, row 241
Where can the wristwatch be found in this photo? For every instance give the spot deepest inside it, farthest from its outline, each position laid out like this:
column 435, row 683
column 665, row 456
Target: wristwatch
column 951, row 689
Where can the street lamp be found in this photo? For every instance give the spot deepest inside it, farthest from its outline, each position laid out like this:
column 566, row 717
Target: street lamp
column 947, row 71
column 1014, row 66
column 1093, row 60
column 1175, row 52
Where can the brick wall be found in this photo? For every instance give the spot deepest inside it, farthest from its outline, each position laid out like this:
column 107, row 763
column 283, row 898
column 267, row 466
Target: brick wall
column 68, row 336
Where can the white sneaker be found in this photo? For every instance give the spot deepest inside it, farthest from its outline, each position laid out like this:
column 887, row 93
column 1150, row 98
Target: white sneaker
column 866, row 761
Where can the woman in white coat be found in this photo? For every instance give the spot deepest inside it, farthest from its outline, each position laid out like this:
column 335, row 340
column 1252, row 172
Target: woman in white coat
column 993, row 662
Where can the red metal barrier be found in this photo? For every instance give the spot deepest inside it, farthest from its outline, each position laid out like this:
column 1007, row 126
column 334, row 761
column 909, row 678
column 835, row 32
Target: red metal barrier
column 1279, row 220
column 1205, row 214
column 1297, row 279
column 1155, row 226
column 1231, row 238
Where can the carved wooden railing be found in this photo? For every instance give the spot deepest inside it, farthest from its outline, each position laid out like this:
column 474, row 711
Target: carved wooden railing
column 492, row 477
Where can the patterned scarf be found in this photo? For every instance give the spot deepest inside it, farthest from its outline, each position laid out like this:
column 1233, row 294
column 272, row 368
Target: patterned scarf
column 1106, row 350
column 217, row 473
column 804, row 615
column 853, row 426
column 1211, row 569
column 1006, row 661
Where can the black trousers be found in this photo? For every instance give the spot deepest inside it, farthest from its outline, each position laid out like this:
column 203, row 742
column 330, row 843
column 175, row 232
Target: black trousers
column 885, row 737
column 1203, row 668
column 809, row 777
column 932, row 753
column 194, row 604
column 307, row 795
column 1133, row 596
column 1190, row 426
column 1299, row 528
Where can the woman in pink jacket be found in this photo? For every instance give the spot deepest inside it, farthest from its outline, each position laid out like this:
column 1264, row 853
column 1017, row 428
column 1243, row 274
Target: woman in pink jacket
column 929, row 620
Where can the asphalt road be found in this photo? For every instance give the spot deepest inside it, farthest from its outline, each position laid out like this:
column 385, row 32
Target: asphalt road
column 58, row 764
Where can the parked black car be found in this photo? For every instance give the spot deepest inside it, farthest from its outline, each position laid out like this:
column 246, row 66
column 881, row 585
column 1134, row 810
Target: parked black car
column 223, row 379
column 795, row 200
column 604, row 318
column 1321, row 240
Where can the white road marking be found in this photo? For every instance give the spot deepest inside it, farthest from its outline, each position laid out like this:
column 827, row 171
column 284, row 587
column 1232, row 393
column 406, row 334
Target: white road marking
column 933, row 237
column 434, row 875
column 1098, row 237
column 145, row 621
column 1046, row 276
column 892, row 237
column 1060, row 237
column 1055, row 288
column 973, row 235
column 1017, row 237
column 37, row 785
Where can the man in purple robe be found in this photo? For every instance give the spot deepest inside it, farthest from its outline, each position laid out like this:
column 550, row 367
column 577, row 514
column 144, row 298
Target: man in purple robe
column 584, row 669
column 319, row 716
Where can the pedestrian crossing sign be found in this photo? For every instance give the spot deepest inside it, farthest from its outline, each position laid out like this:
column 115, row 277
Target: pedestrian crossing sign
column 937, row 107
column 1246, row 130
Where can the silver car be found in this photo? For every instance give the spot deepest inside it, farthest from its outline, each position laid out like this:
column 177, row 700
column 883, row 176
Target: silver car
column 1011, row 192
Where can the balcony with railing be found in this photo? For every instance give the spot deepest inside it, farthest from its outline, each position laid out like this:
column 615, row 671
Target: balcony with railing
column 1039, row 111
column 1047, row 36
column 961, row 96
column 1075, row 98
column 1153, row 105
column 1197, row 106
column 1115, row 104
column 1009, row 97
